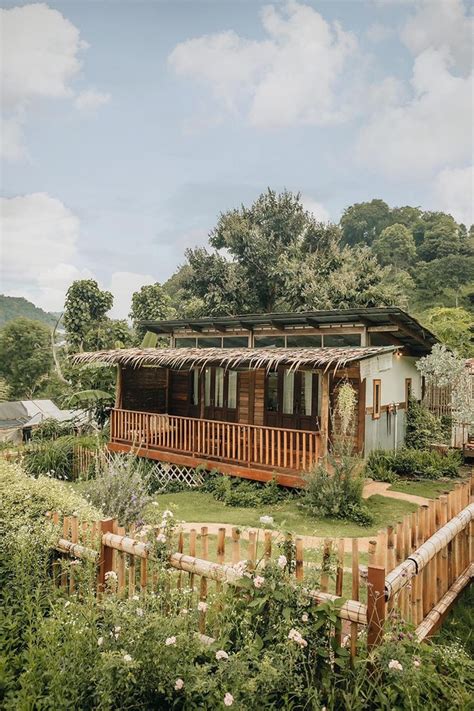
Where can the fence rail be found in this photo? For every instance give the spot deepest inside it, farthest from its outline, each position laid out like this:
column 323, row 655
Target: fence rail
column 232, row 442
column 415, row 570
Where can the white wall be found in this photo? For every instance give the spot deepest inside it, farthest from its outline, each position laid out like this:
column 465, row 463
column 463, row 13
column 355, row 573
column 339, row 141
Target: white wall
column 393, row 381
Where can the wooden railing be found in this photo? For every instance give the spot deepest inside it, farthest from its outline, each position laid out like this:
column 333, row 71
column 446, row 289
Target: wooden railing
column 248, row 445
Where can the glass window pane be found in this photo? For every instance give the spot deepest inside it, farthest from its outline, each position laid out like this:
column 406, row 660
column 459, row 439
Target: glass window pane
column 195, row 392
column 288, row 392
column 207, row 387
column 268, row 341
column 209, row 342
column 235, row 342
column 303, row 341
column 185, row 343
column 306, row 393
column 219, row 387
column 232, row 390
column 271, row 404
column 341, row 339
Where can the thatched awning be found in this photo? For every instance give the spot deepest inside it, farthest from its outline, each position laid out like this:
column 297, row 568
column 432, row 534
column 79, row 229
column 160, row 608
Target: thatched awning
column 252, row 358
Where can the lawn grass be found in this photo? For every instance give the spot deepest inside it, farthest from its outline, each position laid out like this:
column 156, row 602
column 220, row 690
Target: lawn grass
column 459, row 625
column 428, row 488
column 196, row 506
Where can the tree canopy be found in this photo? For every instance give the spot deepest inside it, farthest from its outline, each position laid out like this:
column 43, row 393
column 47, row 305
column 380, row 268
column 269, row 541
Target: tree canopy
column 25, row 356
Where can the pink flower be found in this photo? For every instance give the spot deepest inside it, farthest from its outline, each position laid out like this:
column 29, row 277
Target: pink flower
column 258, row 581
column 395, row 664
column 202, row 606
column 282, row 561
column 228, row 699
column 179, row 683
column 170, row 641
column 221, row 654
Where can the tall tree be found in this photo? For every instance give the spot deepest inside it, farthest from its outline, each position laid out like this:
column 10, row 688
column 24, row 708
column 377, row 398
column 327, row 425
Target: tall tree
column 151, row 302
column 395, row 246
column 85, row 307
column 363, row 222
column 25, row 356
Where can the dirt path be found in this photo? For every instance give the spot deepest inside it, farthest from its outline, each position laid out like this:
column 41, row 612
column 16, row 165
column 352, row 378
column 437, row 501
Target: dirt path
column 382, row 488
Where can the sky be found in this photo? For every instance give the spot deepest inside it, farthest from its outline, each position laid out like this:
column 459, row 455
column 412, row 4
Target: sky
column 128, row 126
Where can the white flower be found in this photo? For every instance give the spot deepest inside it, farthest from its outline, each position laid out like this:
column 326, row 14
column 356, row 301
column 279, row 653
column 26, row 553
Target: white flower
column 202, row 606
column 135, row 597
column 100, row 641
column 221, row 654
column 184, row 611
column 416, row 663
column 178, row 685
column 296, row 636
column 167, row 514
column 127, row 658
column 228, row 699
column 67, row 603
column 161, row 538
column 304, row 617
column 170, row 640
column 139, row 612
column 266, row 520
column 282, row 561
column 117, row 629
column 111, row 575
column 395, row 664
column 258, row 581
column 155, row 503
column 240, row 567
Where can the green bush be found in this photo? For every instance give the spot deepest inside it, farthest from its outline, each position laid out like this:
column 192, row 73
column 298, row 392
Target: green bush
column 412, row 464
column 55, row 457
column 242, row 493
column 25, row 499
column 52, row 429
column 336, row 491
column 423, row 428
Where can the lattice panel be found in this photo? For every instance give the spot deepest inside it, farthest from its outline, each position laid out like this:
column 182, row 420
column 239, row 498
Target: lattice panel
column 165, row 474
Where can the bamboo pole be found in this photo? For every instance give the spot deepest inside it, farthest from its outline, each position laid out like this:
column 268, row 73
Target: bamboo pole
column 355, row 593
column 376, row 608
column 252, row 549
column 192, row 553
column 235, row 545
column 299, row 570
column 106, row 553
column 267, row 546
column 203, row 582
column 220, row 552
column 325, row 564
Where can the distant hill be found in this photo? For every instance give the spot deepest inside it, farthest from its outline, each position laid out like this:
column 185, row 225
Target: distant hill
column 12, row 307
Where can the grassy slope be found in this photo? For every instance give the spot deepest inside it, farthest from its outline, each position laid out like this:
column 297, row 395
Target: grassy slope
column 202, row 507
column 423, row 487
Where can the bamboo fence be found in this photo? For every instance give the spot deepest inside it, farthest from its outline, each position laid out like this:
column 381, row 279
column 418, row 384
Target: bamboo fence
column 415, row 571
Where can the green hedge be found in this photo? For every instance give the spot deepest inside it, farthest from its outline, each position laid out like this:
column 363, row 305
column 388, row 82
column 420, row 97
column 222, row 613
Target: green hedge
column 412, row 464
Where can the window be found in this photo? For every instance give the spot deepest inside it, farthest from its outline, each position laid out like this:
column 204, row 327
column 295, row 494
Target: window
column 185, row 343
column 219, row 387
column 306, row 395
column 209, row 342
column 195, row 387
column 271, row 403
column 377, row 400
column 235, row 342
column 303, row 341
column 207, row 387
column 288, row 392
column 269, row 341
column 408, row 390
column 341, row 339
column 232, row 390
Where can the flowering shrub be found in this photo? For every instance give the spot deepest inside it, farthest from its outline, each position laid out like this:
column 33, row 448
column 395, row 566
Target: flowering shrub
column 120, row 487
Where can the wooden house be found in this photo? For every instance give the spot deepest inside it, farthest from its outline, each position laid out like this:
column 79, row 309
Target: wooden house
column 253, row 395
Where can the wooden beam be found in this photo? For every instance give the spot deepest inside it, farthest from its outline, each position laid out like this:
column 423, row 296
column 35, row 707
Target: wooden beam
column 382, row 329
column 256, row 474
column 411, row 334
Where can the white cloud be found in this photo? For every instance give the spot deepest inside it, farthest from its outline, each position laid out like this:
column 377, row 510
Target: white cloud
column 430, row 131
column 444, row 26
column 40, row 59
column 90, row 100
column 318, row 210
column 454, row 190
column 122, row 286
column 39, row 246
column 292, row 77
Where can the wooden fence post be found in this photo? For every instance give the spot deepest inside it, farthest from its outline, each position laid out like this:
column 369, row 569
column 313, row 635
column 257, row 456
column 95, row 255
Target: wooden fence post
column 106, row 553
column 376, row 606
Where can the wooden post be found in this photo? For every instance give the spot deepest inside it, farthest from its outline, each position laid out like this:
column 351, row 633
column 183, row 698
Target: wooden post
column 340, row 567
column 118, row 388
column 299, row 571
column 268, row 546
column 324, row 426
column 375, row 605
column 372, row 552
column 192, row 552
column 220, row 552
column 106, row 553
column 324, row 564
column 252, row 549
column 235, row 545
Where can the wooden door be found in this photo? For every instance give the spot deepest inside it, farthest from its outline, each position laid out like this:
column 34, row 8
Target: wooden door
column 291, row 399
column 220, row 393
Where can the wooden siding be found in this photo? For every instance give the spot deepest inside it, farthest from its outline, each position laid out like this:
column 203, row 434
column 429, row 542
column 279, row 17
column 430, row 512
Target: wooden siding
column 259, row 397
column 244, row 386
column 144, row 389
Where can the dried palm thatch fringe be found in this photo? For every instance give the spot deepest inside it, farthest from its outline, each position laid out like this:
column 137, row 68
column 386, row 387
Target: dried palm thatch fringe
column 253, row 358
